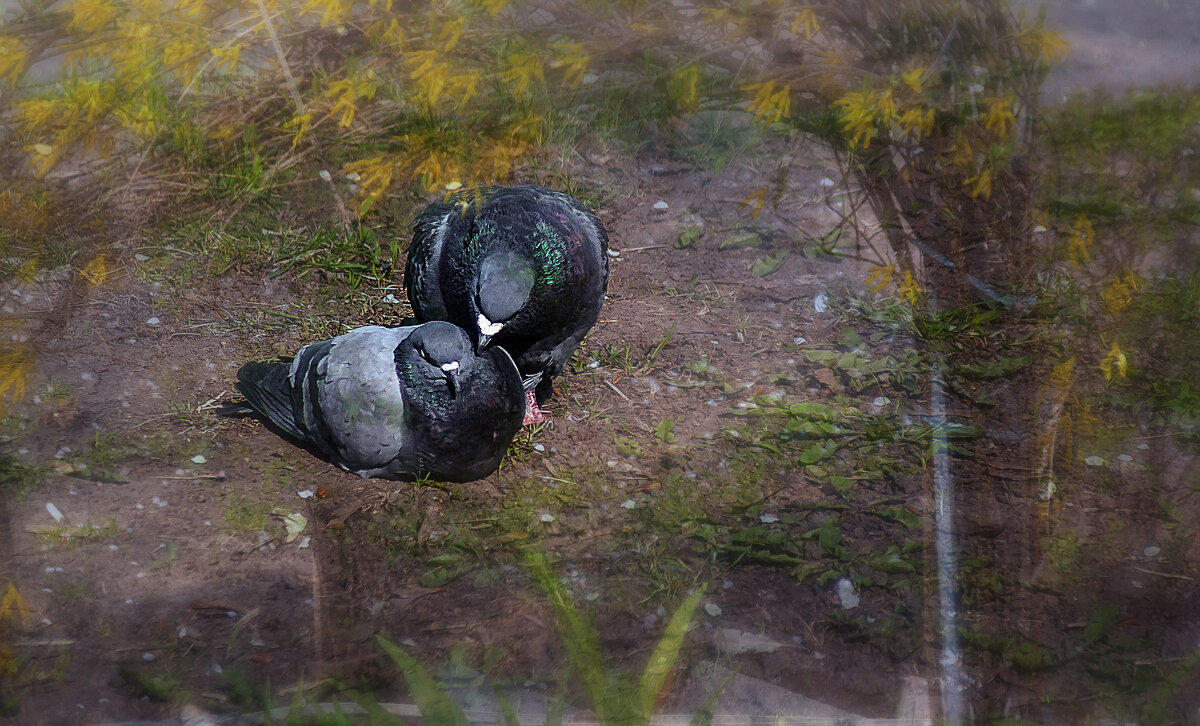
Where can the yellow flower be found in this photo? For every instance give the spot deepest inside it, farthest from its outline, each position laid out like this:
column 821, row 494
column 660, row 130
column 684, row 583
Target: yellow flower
column 524, row 66
column 858, row 117
column 227, row 56
column 1118, row 293
column 301, row 122
column 981, row 184
column 573, row 59
column 1079, row 245
column 450, row 32
column 999, row 116
column 772, row 101
column 913, row 79
column 758, row 197
column 879, row 277
column 13, row 604
column 374, row 178
column 89, row 16
column 12, row 59
column 491, row 6
column 916, row 122
column 1114, row 364
column 96, row 271
column 348, row 91
column 910, row 289
column 1047, row 44
column 15, row 369
column 807, row 19
column 885, row 107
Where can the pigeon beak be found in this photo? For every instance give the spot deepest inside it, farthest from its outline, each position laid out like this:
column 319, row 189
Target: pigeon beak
column 487, row 329
column 451, row 371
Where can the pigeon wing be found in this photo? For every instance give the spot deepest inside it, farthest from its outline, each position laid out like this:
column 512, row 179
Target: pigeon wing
column 360, row 400
column 267, row 388
column 422, row 271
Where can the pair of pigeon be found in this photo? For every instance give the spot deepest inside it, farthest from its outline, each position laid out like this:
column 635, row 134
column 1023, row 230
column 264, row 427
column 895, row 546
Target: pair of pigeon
column 506, row 281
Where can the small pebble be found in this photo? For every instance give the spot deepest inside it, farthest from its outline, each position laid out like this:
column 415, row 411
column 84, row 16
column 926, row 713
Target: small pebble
column 153, row 321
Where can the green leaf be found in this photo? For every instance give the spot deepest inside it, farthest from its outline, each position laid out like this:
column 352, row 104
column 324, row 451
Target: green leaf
column 822, row 357
column 899, row 514
column 627, row 446
column 842, row 484
column 829, row 537
column 738, row 240
column 850, row 338
column 997, row 369
column 763, row 266
column 813, row 454
column 890, row 562
column 690, row 234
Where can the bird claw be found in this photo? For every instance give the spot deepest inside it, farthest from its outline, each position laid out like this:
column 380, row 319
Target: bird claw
column 533, row 414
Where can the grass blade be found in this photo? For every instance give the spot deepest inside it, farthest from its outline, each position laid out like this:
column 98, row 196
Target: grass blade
column 581, row 640
column 665, row 653
column 436, row 708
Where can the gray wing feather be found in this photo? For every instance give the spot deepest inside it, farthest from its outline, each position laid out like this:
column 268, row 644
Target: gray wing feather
column 421, row 273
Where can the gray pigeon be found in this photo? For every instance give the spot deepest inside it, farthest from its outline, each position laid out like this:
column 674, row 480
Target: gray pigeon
column 395, row 403
column 522, row 267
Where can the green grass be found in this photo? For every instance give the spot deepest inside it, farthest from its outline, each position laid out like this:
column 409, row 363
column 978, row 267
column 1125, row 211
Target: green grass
column 1122, row 160
column 73, row 535
column 18, row 478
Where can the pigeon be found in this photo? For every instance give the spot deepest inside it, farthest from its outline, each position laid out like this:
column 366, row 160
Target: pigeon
column 522, row 267
column 395, row 403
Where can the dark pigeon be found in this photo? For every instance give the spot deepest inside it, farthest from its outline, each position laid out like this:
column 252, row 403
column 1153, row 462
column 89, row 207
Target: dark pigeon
column 521, row 267
column 395, row 403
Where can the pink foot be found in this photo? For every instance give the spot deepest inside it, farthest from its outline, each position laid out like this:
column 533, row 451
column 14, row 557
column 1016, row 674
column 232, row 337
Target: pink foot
column 533, row 414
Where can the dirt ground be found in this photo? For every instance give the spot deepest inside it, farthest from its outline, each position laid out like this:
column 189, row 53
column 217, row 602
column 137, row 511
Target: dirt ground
column 172, row 560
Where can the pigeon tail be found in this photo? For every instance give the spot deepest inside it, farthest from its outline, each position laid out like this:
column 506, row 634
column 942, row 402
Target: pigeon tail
column 267, row 388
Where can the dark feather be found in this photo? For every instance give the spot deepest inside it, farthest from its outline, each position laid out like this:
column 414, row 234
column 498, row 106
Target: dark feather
column 267, row 389
column 530, row 261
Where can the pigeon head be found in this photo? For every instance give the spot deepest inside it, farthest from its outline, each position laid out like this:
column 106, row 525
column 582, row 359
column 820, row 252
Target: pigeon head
column 438, row 351
column 505, row 281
